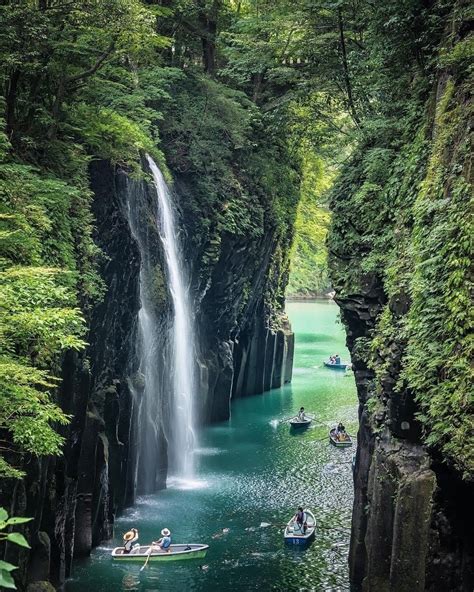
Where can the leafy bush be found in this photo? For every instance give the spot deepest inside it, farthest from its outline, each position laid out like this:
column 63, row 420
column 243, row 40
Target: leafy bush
column 6, row 580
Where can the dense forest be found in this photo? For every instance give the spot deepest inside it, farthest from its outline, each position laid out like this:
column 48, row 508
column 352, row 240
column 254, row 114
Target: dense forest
column 329, row 141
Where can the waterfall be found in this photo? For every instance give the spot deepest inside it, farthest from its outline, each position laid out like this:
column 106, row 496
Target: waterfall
column 164, row 387
column 182, row 363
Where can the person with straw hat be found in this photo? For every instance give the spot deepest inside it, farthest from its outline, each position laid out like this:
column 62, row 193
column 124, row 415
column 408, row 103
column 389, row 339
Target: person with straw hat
column 129, row 538
column 165, row 541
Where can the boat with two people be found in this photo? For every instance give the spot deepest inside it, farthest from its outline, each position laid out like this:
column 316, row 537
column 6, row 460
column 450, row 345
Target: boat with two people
column 335, row 363
column 161, row 550
column 339, row 437
column 301, row 528
column 155, row 553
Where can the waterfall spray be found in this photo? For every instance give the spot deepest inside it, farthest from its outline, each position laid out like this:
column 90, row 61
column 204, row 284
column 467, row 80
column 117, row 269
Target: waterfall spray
column 181, row 430
column 164, row 386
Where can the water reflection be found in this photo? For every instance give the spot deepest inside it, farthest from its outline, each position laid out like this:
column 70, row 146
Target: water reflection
column 130, row 582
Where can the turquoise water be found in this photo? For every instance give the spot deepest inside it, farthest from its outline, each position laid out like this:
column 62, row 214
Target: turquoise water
column 252, row 473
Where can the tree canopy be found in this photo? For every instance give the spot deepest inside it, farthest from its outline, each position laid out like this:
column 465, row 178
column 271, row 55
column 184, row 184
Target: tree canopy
column 263, row 104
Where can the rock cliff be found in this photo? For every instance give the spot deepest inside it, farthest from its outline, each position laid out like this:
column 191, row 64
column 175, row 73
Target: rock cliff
column 395, row 228
column 411, row 520
column 245, row 347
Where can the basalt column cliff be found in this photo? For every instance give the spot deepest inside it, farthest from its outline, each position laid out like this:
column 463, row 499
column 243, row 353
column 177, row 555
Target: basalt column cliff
column 236, row 251
column 398, row 247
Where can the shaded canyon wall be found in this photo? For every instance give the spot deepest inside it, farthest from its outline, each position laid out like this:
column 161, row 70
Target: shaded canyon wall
column 412, row 516
column 243, row 350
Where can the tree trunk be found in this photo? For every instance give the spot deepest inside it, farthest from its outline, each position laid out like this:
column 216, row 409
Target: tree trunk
column 209, row 50
column 56, row 110
column 208, row 24
column 257, row 86
column 10, row 101
column 345, row 66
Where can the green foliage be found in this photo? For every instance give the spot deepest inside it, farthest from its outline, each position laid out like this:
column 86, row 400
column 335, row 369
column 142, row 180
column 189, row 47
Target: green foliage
column 214, row 136
column 309, row 274
column 37, row 325
column 39, row 220
column 6, row 579
column 112, row 136
column 401, row 224
column 441, row 318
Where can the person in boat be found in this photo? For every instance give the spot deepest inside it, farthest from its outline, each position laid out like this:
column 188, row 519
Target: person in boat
column 301, row 415
column 300, row 519
column 341, row 432
column 337, row 359
column 129, row 540
column 332, row 359
column 165, row 542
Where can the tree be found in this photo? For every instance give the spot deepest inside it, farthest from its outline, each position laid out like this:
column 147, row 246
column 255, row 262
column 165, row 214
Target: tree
column 40, row 318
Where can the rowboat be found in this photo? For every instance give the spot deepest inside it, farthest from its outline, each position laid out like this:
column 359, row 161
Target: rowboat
column 336, row 366
column 173, row 553
column 339, row 443
column 294, row 535
column 296, row 422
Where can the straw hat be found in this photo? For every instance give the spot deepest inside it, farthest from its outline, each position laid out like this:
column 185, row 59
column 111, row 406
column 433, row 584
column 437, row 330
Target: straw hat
column 128, row 536
column 165, row 532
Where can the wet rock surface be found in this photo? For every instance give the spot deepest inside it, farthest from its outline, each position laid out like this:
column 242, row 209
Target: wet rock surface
column 242, row 351
column 408, row 531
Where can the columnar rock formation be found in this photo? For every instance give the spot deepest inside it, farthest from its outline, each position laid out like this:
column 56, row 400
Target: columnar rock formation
column 245, row 347
column 410, row 525
column 413, row 488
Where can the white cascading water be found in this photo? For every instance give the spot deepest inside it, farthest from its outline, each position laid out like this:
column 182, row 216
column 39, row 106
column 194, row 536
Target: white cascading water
column 181, row 430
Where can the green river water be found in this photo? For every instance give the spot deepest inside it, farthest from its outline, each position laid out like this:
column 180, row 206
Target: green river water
column 252, row 473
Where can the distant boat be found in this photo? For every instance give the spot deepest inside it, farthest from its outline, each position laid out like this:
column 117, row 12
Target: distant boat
column 339, row 443
column 337, row 366
column 296, row 422
column 294, row 535
column 175, row 553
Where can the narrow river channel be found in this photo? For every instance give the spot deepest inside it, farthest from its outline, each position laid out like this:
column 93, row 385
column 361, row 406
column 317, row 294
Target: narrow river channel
column 251, row 474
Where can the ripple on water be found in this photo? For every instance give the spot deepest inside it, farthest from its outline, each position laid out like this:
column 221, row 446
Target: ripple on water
column 182, row 483
column 209, row 451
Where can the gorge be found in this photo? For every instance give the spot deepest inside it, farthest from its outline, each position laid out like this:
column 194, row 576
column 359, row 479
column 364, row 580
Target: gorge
column 167, row 168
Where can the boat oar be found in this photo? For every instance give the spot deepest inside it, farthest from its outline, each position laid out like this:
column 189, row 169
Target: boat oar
column 308, row 416
column 147, row 559
column 320, row 439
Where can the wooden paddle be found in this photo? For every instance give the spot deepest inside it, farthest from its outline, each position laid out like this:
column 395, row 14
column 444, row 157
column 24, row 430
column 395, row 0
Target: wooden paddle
column 147, row 559
column 318, row 527
column 308, row 415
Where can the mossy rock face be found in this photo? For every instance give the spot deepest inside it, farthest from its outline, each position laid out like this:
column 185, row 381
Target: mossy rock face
column 158, row 292
column 40, row 587
column 400, row 251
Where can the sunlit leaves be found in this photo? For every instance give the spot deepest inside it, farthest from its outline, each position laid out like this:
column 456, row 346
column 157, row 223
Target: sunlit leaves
column 401, row 221
column 309, row 274
column 6, row 568
column 38, row 307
